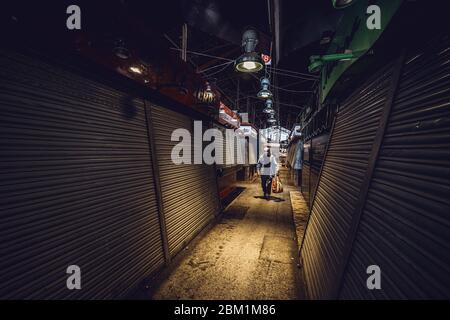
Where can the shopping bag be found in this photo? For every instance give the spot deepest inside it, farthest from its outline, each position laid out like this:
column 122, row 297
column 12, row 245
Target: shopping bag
column 277, row 186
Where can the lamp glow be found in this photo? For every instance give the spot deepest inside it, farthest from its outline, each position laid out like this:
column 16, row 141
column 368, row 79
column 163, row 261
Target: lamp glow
column 264, row 93
column 249, row 65
column 271, row 120
column 136, row 70
column 250, row 61
column 268, row 110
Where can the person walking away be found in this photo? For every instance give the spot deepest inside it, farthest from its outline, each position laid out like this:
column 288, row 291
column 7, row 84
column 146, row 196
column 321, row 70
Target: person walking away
column 267, row 168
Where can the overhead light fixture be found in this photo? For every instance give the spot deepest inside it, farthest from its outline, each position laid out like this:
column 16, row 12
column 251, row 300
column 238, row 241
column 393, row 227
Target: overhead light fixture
column 250, row 61
column 340, row 4
column 136, row 69
column 271, row 119
column 120, row 50
column 206, row 94
column 268, row 109
column 264, row 93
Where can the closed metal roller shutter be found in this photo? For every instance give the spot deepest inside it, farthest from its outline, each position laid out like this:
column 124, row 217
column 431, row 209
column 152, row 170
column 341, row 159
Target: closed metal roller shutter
column 405, row 225
column 252, row 149
column 339, row 186
column 189, row 191
column 318, row 147
column 76, row 185
column 220, row 143
column 306, row 172
column 230, row 151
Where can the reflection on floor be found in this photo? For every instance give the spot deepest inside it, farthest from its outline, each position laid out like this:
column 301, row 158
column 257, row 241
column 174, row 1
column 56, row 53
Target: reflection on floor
column 250, row 254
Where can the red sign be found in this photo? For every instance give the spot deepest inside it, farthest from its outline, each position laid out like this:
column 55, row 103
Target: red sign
column 267, row 59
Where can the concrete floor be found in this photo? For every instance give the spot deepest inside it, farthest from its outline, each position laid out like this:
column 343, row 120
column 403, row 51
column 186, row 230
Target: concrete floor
column 249, row 254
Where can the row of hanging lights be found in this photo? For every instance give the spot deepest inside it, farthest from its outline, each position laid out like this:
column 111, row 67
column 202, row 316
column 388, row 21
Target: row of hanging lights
column 250, row 62
column 267, row 95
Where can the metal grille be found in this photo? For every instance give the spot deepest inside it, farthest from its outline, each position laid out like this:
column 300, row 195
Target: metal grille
column 405, row 226
column 318, row 147
column 76, row 185
column 339, row 184
column 306, row 172
column 189, row 191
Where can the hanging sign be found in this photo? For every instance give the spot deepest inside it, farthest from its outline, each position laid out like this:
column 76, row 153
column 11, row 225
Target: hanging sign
column 267, row 59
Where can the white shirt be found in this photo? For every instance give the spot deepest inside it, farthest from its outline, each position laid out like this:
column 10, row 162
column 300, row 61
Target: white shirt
column 269, row 171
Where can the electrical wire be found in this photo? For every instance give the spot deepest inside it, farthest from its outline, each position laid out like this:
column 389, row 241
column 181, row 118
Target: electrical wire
column 228, row 98
column 294, row 83
column 293, row 72
column 216, row 66
column 287, row 90
column 178, row 48
column 218, row 71
column 292, row 91
column 294, row 76
column 203, row 54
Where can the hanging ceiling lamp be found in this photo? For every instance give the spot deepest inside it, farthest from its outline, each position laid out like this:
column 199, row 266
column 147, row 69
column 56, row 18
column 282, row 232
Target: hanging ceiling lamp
column 268, row 109
column 250, row 61
column 206, row 94
column 120, row 49
column 271, row 119
column 264, row 93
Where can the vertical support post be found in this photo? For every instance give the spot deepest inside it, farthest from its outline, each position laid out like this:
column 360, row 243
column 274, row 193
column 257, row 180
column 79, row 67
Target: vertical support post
column 253, row 114
column 376, row 146
column 184, row 43
column 237, row 95
column 157, row 182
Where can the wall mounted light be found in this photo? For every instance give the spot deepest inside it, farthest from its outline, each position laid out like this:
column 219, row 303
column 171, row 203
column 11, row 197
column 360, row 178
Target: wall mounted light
column 250, row 61
column 264, row 93
column 316, row 62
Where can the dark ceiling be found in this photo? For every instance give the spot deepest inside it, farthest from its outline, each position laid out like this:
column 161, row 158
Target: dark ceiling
column 215, row 29
column 214, row 39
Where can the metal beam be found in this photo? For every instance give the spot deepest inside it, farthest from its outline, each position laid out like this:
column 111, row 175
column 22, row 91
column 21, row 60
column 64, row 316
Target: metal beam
column 157, row 182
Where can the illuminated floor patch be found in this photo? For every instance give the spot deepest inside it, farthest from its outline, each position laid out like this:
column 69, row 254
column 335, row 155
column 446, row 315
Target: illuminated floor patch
column 278, row 249
column 236, row 212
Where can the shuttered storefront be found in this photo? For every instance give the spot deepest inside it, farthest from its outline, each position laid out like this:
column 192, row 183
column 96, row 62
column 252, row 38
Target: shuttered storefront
column 229, row 168
column 318, row 148
column 76, row 185
column 340, row 182
column 189, row 191
column 383, row 192
column 306, row 172
column 405, row 224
